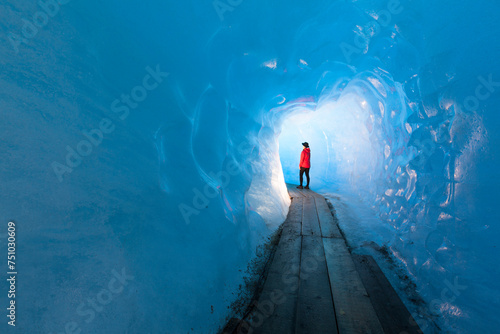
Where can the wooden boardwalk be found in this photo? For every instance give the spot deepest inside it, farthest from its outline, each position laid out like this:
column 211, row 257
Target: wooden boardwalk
column 313, row 285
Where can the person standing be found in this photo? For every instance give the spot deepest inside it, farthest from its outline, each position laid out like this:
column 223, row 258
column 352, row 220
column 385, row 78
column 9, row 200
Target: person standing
column 305, row 164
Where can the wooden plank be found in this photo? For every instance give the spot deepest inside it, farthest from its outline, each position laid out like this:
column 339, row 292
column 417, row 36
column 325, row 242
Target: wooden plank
column 310, row 224
column 287, row 255
column 286, row 259
column 293, row 222
column 329, row 228
column 354, row 311
column 315, row 312
column 311, row 193
column 296, row 194
column 391, row 311
column 293, row 193
column 313, row 285
column 301, row 192
column 292, row 188
column 276, row 308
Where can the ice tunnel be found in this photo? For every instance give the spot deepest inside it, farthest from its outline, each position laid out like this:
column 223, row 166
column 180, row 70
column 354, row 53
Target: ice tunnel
column 145, row 147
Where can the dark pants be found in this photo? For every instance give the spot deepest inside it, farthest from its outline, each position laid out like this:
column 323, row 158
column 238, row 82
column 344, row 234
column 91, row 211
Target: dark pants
column 302, row 170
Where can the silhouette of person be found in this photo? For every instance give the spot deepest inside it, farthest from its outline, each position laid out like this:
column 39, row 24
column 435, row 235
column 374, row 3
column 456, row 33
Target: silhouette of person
column 305, row 164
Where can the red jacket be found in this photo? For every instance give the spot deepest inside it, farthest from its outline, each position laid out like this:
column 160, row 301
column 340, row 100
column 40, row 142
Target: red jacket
column 305, row 158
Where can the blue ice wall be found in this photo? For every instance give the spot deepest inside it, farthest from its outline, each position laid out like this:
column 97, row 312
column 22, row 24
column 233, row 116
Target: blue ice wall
column 140, row 150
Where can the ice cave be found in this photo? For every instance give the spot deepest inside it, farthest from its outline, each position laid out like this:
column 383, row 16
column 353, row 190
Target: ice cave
column 146, row 147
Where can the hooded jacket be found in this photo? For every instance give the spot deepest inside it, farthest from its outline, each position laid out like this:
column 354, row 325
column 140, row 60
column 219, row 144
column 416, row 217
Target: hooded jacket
column 305, row 158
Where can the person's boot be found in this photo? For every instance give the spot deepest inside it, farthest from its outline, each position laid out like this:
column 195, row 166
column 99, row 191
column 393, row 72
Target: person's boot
column 300, row 187
column 307, row 187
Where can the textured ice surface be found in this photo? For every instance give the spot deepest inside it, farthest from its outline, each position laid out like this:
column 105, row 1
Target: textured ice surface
column 401, row 100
